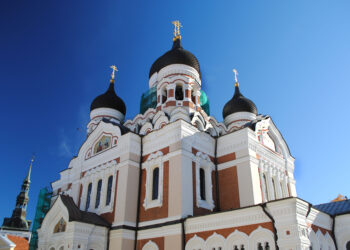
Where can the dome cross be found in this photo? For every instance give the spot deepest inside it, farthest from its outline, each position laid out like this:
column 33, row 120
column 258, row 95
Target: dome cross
column 177, row 26
column 114, row 69
column 236, row 74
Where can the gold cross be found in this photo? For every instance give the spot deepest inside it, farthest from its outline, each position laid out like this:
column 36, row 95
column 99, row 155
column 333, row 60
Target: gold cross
column 114, row 69
column 177, row 26
column 236, row 74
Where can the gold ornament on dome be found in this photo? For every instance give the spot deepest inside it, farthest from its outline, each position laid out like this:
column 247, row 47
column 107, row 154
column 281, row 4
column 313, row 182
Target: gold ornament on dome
column 114, row 69
column 177, row 26
column 236, row 79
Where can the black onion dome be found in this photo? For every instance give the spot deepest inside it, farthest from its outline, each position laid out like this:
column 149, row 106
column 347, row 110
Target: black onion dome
column 238, row 103
column 109, row 100
column 177, row 55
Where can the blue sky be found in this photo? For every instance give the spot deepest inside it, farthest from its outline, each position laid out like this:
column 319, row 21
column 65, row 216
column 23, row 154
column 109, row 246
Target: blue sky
column 292, row 58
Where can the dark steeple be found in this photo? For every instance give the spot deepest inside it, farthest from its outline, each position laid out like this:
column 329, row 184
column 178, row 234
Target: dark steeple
column 18, row 219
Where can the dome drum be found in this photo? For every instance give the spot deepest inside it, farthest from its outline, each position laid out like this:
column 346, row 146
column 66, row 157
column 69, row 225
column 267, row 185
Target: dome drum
column 106, row 112
column 238, row 119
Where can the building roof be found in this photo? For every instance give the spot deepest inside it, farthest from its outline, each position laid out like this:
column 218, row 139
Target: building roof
column 75, row 214
column 238, row 103
column 109, row 100
column 177, row 55
column 21, row 243
column 335, row 208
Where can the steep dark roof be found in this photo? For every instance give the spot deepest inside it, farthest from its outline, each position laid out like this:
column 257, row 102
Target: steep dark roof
column 75, row 214
column 177, row 55
column 335, row 208
column 109, row 100
column 238, row 103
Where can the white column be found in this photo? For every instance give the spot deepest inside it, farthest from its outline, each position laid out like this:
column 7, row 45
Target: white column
column 271, row 188
column 262, row 181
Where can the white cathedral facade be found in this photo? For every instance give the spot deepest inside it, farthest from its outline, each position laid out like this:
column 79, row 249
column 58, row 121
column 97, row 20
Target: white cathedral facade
column 176, row 178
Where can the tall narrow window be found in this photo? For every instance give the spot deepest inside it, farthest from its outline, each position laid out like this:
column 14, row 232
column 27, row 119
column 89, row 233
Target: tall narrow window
column 109, row 190
column 348, row 245
column 155, row 183
column 179, row 94
column 164, row 95
column 88, row 196
column 202, row 183
column 98, row 194
column 260, row 247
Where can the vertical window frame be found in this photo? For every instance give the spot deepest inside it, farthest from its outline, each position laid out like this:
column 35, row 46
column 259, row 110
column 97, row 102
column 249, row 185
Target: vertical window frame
column 204, row 162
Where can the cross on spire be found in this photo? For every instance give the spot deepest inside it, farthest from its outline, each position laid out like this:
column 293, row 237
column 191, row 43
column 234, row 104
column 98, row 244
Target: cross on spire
column 236, row 74
column 114, row 69
column 177, row 26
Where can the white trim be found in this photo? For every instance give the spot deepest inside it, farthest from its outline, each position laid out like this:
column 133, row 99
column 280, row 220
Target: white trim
column 203, row 161
column 158, row 221
column 153, row 161
column 108, row 112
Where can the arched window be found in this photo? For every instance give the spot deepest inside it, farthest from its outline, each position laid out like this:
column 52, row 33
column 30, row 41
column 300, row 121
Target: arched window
column 98, row 194
column 260, row 247
column 202, row 183
column 266, row 187
column 88, row 196
column 109, row 190
column 348, row 245
column 155, row 183
column 179, row 93
column 164, row 95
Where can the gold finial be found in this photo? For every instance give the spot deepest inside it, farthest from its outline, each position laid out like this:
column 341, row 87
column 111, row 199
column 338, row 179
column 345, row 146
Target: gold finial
column 177, row 26
column 236, row 79
column 114, row 69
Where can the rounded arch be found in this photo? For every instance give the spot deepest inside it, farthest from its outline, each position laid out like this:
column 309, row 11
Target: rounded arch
column 146, row 128
column 160, row 122
column 150, row 245
column 263, row 236
column 238, row 239
column 215, row 241
column 195, row 243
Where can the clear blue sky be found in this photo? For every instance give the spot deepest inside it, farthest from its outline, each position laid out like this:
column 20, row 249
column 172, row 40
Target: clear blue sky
column 293, row 59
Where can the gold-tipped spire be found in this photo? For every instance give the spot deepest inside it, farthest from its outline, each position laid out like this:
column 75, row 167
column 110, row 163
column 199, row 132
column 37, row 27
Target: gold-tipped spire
column 236, row 79
column 177, row 26
column 114, row 69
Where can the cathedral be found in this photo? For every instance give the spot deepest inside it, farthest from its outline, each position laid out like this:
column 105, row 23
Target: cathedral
column 174, row 177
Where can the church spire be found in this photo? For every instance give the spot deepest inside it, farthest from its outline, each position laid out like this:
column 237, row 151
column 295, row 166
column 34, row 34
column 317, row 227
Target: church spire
column 18, row 218
column 29, row 170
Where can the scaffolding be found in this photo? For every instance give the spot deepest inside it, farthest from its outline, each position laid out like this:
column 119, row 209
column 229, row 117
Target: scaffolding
column 42, row 207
